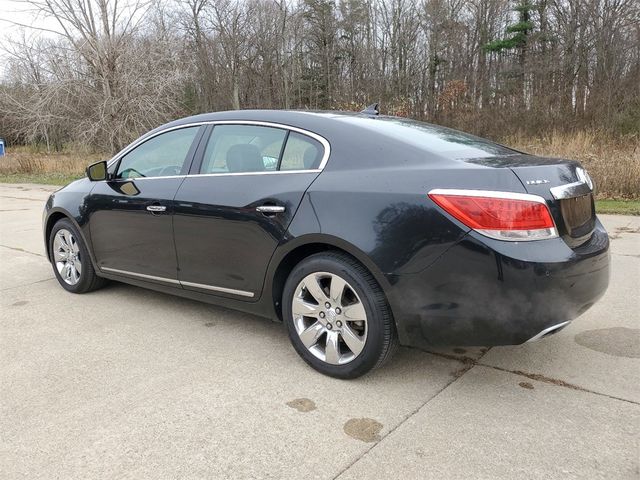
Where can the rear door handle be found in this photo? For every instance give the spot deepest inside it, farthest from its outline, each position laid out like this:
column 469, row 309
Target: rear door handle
column 156, row 208
column 270, row 209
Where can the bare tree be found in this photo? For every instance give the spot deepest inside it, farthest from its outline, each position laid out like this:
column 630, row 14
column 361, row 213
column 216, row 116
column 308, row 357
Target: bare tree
column 116, row 69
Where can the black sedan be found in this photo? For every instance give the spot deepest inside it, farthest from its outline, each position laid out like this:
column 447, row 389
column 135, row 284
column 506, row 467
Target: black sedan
column 358, row 231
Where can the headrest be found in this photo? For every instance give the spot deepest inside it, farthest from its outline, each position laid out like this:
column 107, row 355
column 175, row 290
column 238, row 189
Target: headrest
column 311, row 157
column 244, row 158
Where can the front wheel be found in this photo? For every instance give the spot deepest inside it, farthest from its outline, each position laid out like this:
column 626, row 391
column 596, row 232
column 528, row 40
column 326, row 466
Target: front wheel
column 70, row 259
column 337, row 316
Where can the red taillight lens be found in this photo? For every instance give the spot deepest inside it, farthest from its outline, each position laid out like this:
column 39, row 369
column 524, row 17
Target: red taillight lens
column 502, row 215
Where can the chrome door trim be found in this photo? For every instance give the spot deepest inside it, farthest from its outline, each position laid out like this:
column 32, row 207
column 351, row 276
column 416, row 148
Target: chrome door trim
column 237, row 174
column 270, row 209
column 140, row 275
column 156, row 208
column 325, row 143
column 233, row 291
column 224, row 174
column 172, row 281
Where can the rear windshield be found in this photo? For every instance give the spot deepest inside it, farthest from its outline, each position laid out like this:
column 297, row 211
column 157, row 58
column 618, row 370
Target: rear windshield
column 442, row 141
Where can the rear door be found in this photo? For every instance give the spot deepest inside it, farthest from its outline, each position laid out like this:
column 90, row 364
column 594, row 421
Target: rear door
column 130, row 216
column 234, row 208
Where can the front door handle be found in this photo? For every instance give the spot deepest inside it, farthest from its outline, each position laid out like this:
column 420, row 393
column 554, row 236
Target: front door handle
column 270, row 209
column 156, row 208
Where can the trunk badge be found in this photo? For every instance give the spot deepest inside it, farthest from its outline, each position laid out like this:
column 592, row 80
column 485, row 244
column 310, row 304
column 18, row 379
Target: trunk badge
column 537, row 182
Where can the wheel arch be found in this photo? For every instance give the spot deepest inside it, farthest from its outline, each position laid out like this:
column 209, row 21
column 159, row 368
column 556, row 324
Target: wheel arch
column 285, row 260
column 53, row 217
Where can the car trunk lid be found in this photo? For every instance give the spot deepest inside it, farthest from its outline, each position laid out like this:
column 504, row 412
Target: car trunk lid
column 566, row 187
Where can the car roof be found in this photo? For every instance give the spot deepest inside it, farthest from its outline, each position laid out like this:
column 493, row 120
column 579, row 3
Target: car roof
column 366, row 131
column 295, row 118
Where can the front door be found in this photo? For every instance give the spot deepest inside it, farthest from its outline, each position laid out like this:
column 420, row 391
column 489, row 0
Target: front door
column 234, row 210
column 130, row 216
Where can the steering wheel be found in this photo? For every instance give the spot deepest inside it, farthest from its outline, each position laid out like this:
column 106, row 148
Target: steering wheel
column 170, row 170
column 127, row 173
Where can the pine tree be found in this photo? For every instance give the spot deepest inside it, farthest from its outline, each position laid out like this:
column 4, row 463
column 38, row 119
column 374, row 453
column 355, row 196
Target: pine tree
column 518, row 39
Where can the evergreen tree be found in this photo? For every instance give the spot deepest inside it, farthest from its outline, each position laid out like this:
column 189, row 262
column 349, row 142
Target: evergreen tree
column 518, row 39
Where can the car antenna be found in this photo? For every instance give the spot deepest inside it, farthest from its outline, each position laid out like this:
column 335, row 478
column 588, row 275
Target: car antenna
column 372, row 109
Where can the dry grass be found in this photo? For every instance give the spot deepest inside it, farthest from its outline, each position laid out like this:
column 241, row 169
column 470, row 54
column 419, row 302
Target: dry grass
column 28, row 165
column 25, row 160
column 614, row 163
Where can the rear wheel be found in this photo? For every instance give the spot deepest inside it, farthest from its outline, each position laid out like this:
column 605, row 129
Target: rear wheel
column 70, row 259
column 337, row 316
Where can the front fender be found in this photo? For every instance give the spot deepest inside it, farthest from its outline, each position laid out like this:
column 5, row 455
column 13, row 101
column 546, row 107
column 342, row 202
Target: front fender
column 69, row 202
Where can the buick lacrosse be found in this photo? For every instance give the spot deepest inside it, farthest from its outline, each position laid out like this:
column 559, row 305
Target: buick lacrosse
column 358, row 231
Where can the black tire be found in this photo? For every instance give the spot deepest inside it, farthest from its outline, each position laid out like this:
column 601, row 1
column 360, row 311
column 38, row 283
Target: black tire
column 381, row 338
column 88, row 280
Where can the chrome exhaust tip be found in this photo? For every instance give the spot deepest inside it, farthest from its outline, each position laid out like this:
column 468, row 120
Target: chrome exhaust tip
column 549, row 331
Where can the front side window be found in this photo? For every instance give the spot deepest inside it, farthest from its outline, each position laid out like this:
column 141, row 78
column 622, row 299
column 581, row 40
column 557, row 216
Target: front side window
column 243, row 148
column 161, row 156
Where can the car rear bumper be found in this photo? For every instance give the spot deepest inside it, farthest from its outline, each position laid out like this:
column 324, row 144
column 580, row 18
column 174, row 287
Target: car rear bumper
column 488, row 292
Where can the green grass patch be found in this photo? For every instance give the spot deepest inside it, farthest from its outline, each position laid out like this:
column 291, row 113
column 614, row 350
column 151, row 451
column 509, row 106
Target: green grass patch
column 622, row 207
column 42, row 178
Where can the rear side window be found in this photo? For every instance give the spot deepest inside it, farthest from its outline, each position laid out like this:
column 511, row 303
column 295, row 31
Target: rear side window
column 432, row 138
column 301, row 153
column 243, row 148
column 256, row 148
column 160, row 156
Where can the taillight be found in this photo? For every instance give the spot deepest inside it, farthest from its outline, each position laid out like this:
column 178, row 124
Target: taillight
column 500, row 215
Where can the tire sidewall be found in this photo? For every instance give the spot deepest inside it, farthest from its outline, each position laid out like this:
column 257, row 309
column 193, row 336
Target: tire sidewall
column 87, row 268
column 370, row 355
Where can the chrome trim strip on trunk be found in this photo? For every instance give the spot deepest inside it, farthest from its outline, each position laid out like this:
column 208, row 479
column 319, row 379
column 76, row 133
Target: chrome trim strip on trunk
column 172, row 281
column 570, row 190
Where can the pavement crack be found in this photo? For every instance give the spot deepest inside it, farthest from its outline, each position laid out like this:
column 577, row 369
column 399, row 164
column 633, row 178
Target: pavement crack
column 626, row 255
column 554, row 381
column 456, row 375
column 469, row 362
column 18, row 249
column 460, row 358
column 23, row 198
column 26, row 284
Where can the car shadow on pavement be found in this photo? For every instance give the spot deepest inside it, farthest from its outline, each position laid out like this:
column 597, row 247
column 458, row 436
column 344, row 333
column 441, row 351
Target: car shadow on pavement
column 405, row 362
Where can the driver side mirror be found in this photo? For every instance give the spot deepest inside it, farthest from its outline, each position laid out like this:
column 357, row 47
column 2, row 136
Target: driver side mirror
column 97, row 171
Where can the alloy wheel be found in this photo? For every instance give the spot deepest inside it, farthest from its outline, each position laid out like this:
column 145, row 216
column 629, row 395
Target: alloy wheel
column 66, row 255
column 329, row 318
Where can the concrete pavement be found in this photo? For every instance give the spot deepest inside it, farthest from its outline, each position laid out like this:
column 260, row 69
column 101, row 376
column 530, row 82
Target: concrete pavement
column 129, row 383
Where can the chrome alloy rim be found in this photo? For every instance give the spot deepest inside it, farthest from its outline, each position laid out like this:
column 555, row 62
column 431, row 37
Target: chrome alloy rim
column 66, row 255
column 329, row 318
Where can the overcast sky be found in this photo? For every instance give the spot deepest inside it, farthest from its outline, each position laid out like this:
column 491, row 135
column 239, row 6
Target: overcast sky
column 13, row 13
column 17, row 16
